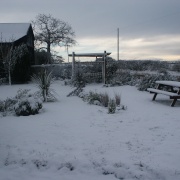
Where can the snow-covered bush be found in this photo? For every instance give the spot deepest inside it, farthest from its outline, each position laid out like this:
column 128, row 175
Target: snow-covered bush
column 142, row 65
column 27, row 106
column 93, row 96
column 121, row 78
column 1, row 106
column 176, row 66
column 148, row 81
column 9, row 103
column 22, row 93
column 22, row 104
column 112, row 106
column 7, row 106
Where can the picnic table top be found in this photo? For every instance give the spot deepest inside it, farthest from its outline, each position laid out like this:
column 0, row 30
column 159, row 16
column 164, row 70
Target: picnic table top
column 169, row 83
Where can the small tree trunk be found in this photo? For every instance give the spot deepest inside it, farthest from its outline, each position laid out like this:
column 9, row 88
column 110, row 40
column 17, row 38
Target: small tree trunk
column 49, row 52
column 44, row 95
column 9, row 76
column 44, row 88
column 48, row 47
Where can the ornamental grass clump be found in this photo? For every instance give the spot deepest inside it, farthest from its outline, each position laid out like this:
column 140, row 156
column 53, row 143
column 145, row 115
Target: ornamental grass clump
column 44, row 80
column 104, row 99
column 117, row 99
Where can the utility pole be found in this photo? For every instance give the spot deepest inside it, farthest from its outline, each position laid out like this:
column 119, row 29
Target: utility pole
column 118, row 44
column 67, row 49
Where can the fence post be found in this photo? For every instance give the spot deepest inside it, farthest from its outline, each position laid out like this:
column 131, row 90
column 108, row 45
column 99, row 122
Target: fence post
column 73, row 65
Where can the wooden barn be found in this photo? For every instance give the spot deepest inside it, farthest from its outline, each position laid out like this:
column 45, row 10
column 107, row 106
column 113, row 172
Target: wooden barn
column 17, row 34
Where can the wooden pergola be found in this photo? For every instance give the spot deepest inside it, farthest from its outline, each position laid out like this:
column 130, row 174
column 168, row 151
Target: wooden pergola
column 96, row 55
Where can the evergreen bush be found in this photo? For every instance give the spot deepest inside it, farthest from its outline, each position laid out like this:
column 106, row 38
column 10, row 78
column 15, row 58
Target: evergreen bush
column 112, row 106
column 78, row 79
column 93, row 96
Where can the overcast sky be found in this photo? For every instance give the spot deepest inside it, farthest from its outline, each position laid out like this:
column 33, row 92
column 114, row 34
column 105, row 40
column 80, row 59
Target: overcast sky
column 148, row 29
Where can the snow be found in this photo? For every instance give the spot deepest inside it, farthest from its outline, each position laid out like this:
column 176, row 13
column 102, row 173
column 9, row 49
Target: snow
column 13, row 31
column 169, row 83
column 167, row 93
column 70, row 139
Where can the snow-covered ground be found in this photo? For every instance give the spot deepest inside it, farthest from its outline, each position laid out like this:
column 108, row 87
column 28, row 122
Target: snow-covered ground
column 72, row 140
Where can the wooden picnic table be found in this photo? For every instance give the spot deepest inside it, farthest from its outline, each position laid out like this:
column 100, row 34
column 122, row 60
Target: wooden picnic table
column 172, row 90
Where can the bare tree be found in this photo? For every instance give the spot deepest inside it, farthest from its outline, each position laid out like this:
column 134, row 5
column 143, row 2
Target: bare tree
column 52, row 32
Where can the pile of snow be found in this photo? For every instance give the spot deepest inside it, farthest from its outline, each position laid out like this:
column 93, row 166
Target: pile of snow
column 71, row 139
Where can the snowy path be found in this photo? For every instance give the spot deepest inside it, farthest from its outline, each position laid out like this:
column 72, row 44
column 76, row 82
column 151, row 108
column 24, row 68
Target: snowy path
column 71, row 139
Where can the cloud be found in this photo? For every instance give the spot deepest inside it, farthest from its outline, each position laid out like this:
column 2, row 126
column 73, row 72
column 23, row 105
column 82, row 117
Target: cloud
column 97, row 18
column 162, row 47
column 157, row 47
column 148, row 28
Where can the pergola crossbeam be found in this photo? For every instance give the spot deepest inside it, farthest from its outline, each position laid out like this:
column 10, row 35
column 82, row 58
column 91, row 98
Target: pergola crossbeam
column 89, row 55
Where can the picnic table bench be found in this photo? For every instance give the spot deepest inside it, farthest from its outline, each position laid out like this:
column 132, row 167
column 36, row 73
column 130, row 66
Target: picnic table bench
column 172, row 90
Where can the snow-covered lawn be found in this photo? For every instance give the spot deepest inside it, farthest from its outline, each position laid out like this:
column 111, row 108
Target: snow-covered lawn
column 72, row 140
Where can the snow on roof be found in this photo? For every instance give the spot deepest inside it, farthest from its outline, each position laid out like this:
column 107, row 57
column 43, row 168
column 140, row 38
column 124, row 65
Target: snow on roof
column 13, row 31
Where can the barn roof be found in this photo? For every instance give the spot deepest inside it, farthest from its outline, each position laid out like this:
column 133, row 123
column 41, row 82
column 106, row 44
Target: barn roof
column 13, row 31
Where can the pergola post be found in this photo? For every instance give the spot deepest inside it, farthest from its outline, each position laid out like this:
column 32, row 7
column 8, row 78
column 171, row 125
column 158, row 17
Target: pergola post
column 104, row 67
column 73, row 65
